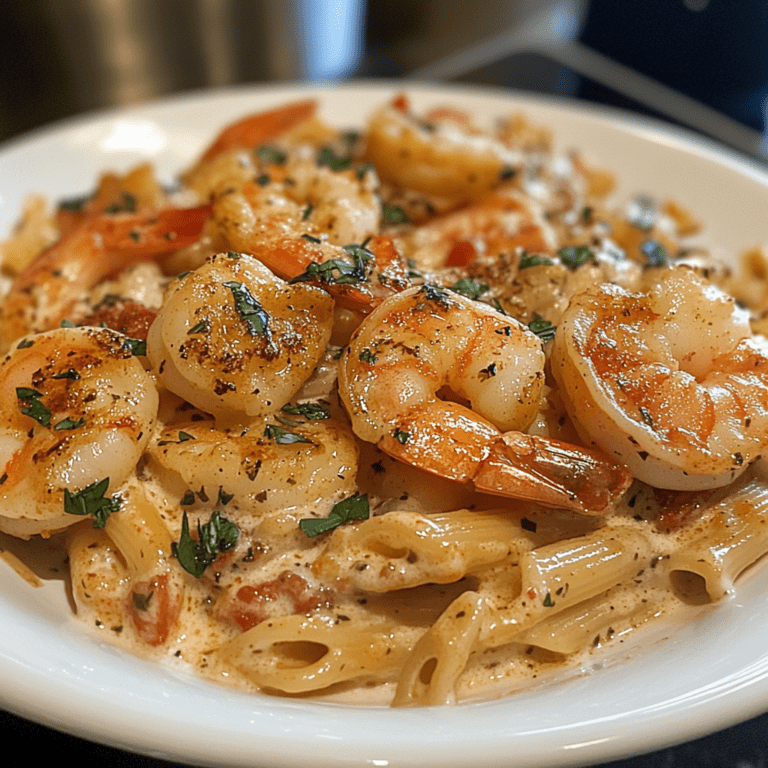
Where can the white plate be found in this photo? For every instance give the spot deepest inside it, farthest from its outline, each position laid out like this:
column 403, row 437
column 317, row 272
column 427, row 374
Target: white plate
column 708, row 674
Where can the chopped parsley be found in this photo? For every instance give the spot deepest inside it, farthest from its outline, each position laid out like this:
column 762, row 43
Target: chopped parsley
column 284, row 436
column 534, row 260
column 574, row 256
column 75, row 204
column 339, row 271
column 436, row 294
column 224, row 497
column 126, row 204
column 328, row 157
column 401, row 437
column 249, row 308
column 92, row 501
column 137, row 347
column 70, row 373
column 308, row 411
column 354, row 508
column 69, row 424
column 393, row 214
column 30, row 405
column 362, row 169
column 269, row 154
column 542, row 328
column 367, row 356
column 216, row 536
column 469, row 287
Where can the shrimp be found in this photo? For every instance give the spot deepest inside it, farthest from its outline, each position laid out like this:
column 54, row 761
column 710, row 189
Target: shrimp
column 269, row 468
column 444, row 157
column 102, row 245
column 670, row 381
column 261, row 127
column 236, row 341
column 499, row 222
column 428, row 343
column 299, row 198
column 77, row 408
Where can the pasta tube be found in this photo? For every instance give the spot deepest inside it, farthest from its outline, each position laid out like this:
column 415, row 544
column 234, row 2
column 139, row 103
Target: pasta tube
column 733, row 538
column 431, row 670
column 406, row 549
column 296, row 654
column 558, row 576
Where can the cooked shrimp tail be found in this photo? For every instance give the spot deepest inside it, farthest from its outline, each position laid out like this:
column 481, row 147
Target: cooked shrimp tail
column 552, row 473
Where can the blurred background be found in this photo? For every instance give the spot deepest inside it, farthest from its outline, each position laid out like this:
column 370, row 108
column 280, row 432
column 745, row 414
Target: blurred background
column 700, row 63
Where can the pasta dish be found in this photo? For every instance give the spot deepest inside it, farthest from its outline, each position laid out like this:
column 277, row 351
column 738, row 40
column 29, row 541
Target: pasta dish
column 415, row 410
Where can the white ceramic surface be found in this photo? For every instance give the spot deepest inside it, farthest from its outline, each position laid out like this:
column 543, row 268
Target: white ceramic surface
column 692, row 679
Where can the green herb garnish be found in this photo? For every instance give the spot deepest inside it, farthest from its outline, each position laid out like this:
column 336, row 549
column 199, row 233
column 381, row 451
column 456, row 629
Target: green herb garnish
column 249, row 308
column 354, row 508
column 269, row 154
column 126, row 204
column 32, row 406
column 469, row 287
column 656, row 255
column 574, row 256
column 69, row 424
column 137, row 347
column 339, row 271
column 436, row 294
column 542, row 328
column 328, row 157
column 308, row 411
column 216, row 536
column 401, row 437
column 284, row 436
column 92, row 501
column 534, row 260
column 393, row 214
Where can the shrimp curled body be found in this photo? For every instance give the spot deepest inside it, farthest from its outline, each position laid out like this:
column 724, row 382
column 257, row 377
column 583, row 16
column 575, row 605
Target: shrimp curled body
column 234, row 339
column 427, row 344
column 76, row 408
column 671, row 382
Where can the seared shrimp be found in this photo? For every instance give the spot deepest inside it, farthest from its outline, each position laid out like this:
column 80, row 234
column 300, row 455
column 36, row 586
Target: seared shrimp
column 426, row 344
column 77, row 409
column 235, row 340
column 671, row 381
column 443, row 157
column 500, row 222
column 299, row 198
column 100, row 246
column 269, row 468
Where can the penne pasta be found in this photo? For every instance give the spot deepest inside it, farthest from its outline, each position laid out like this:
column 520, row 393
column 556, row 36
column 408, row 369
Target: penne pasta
column 407, row 415
column 297, row 654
